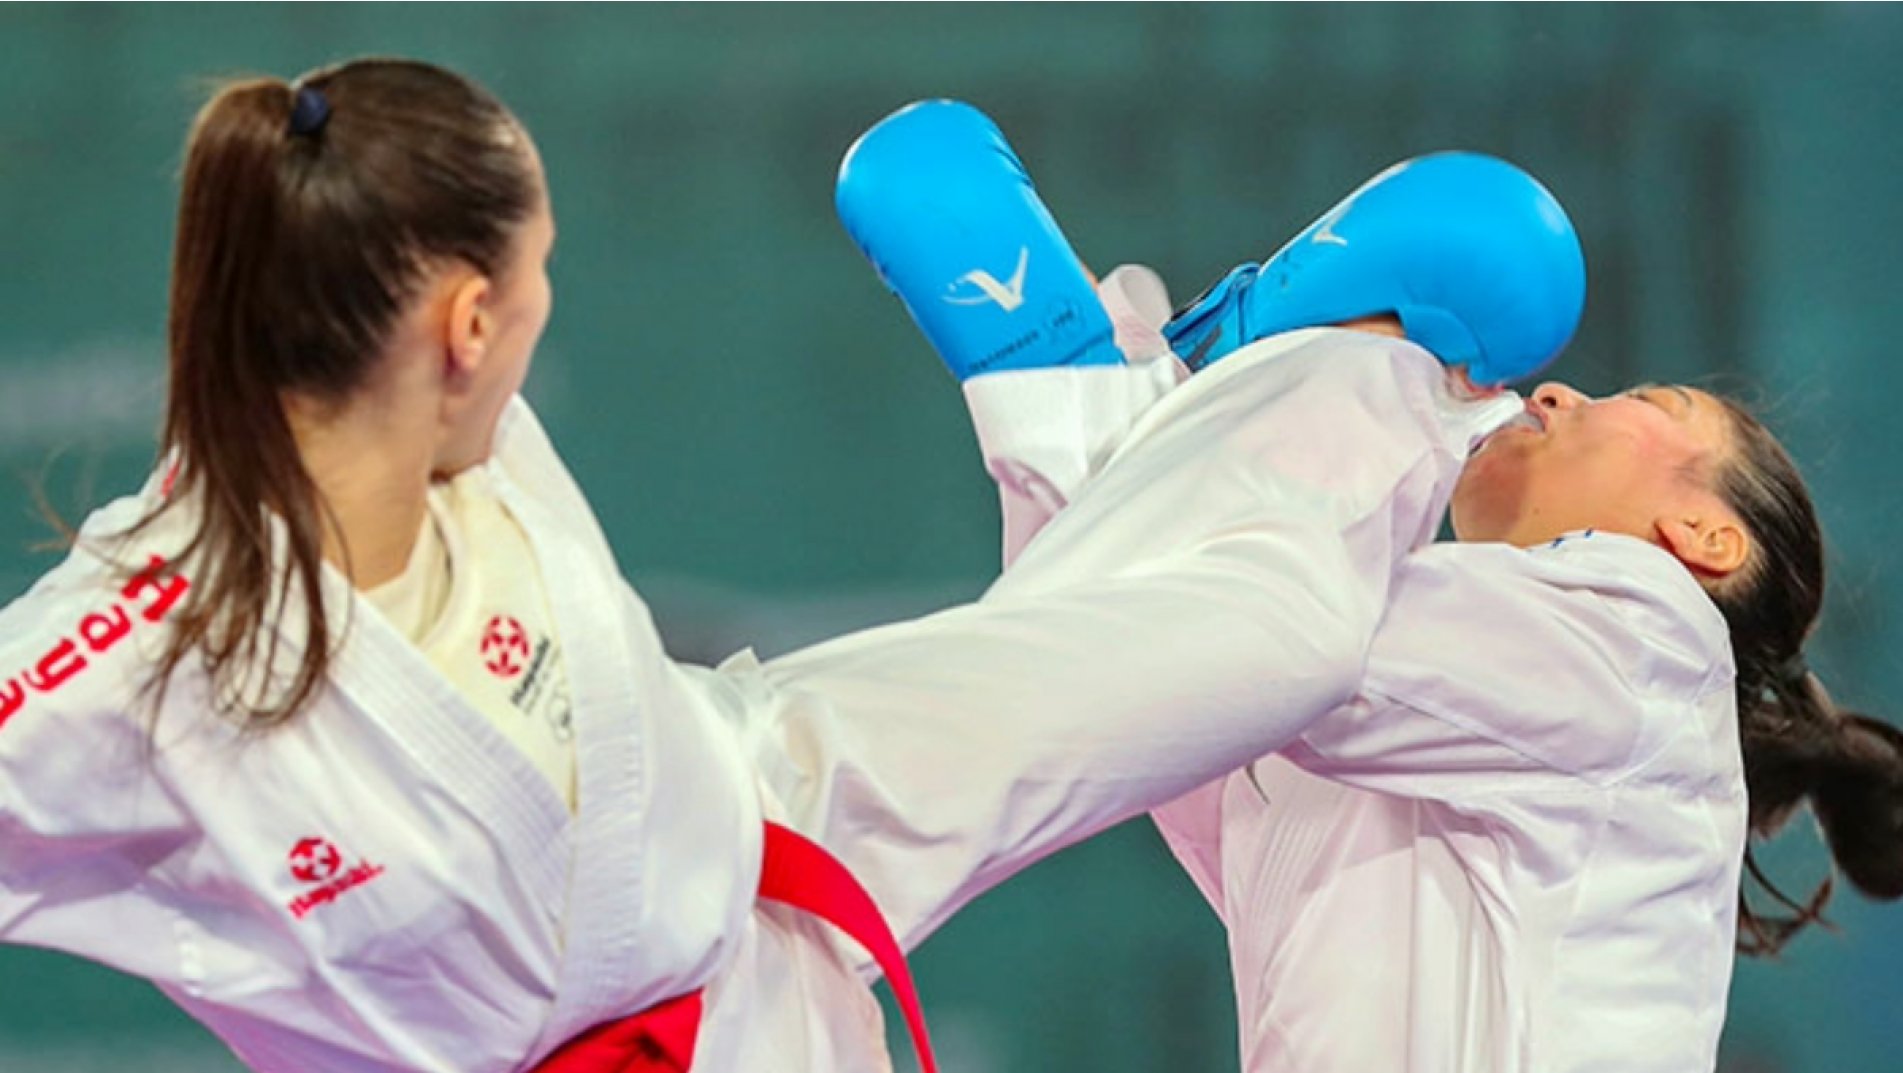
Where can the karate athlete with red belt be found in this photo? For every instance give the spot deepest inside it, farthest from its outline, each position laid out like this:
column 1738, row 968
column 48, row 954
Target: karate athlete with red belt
column 347, row 734
column 1519, row 847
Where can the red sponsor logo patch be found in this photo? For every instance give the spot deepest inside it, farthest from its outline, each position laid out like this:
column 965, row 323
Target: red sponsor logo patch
column 319, row 865
column 148, row 597
column 315, row 860
column 505, row 647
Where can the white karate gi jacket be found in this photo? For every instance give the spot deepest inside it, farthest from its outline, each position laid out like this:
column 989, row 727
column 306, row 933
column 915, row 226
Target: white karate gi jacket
column 1517, row 849
column 386, row 885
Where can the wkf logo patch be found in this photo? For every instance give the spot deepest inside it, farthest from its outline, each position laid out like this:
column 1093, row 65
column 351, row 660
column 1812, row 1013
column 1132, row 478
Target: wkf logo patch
column 505, row 647
column 318, row 865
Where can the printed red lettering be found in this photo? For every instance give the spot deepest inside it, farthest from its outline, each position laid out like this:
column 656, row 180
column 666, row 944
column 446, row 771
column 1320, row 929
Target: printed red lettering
column 56, row 667
column 302, row 905
column 318, row 863
column 12, row 699
column 102, row 631
column 170, row 589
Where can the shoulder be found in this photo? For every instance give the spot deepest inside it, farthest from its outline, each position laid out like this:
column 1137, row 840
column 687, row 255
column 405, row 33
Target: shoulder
column 1650, row 589
column 76, row 642
column 1623, row 598
column 1587, row 654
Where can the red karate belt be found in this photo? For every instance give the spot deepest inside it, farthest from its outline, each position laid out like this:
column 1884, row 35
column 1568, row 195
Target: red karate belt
column 795, row 872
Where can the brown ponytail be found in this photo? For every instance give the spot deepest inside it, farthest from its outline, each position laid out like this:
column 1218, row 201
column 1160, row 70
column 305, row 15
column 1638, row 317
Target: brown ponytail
column 300, row 240
column 1799, row 747
column 1858, row 799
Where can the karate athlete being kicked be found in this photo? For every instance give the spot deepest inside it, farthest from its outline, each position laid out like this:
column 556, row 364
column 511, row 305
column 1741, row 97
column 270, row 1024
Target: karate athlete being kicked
column 1518, row 848
column 347, row 734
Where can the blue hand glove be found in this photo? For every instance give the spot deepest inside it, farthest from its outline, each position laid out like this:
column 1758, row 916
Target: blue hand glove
column 941, row 206
column 1473, row 255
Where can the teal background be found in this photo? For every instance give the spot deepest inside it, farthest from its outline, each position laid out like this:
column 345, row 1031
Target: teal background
column 777, row 456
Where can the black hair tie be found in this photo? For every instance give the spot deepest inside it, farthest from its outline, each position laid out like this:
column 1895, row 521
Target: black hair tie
column 309, row 112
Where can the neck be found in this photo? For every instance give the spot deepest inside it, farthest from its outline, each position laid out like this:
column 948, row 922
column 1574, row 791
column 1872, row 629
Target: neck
column 372, row 468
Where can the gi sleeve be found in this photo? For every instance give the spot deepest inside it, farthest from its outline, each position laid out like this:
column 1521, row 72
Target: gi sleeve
column 82, row 815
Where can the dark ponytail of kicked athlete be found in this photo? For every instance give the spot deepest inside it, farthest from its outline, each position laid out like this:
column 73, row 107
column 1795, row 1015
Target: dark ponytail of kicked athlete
column 1799, row 747
column 309, row 215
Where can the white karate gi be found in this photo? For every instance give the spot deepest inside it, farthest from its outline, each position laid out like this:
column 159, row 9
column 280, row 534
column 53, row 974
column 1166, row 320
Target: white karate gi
column 1516, row 850
column 385, row 884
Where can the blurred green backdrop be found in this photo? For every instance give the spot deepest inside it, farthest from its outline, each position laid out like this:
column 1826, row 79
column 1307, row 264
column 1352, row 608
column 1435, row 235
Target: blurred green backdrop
column 777, row 456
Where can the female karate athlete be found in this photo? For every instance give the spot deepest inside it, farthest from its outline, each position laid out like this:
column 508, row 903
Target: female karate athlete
column 1519, row 846
column 346, row 733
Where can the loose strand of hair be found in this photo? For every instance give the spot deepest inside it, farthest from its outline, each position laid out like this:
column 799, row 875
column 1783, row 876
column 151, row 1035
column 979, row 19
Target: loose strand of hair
column 1768, row 934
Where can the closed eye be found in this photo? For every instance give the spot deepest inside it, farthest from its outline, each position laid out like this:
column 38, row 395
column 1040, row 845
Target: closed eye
column 1654, row 394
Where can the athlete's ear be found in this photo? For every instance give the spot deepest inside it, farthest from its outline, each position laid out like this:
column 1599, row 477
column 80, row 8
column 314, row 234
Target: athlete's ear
column 1712, row 543
column 470, row 325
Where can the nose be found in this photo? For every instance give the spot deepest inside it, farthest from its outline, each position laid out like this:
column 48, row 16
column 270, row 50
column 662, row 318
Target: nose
column 1554, row 395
